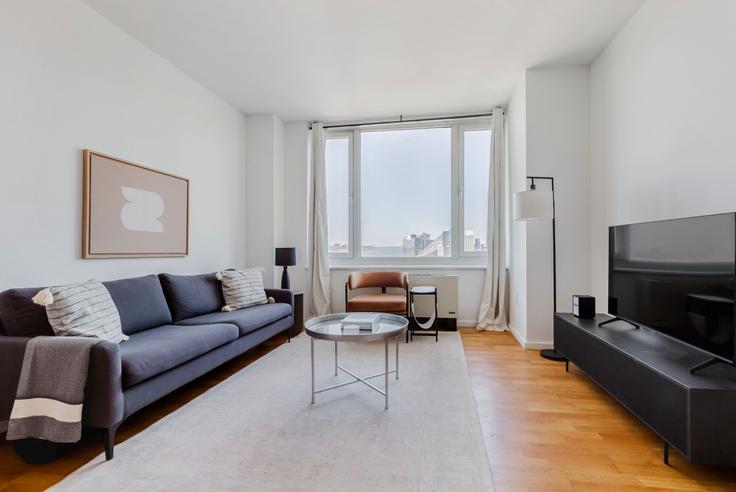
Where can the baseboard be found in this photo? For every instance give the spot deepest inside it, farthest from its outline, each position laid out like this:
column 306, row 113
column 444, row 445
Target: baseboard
column 529, row 344
column 517, row 335
column 539, row 345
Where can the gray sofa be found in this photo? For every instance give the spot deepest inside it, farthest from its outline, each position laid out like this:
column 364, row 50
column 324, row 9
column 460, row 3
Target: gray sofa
column 177, row 333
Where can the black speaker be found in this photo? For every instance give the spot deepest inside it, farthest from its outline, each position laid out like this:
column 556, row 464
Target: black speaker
column 583, row 306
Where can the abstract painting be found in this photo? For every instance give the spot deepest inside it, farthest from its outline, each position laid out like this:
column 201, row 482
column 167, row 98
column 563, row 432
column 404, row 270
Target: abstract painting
column 132, row 210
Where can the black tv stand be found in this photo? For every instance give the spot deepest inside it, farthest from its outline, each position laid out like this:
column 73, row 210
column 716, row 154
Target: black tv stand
column 618, row 319
column 707, row 363
column 651, row 376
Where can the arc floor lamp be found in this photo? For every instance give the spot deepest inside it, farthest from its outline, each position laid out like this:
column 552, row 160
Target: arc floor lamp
column 536, row 204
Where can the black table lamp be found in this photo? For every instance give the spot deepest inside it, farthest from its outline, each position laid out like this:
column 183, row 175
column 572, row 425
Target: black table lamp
column 285, row 257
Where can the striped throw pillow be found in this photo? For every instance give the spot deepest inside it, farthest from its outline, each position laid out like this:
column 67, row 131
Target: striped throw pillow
column 242, row 288
column 83, row 310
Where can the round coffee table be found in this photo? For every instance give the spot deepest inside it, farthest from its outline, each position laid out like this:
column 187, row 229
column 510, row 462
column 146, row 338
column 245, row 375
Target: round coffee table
column 390, row 326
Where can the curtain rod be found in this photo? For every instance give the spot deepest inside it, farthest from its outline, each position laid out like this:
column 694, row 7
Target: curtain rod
column 409, row 120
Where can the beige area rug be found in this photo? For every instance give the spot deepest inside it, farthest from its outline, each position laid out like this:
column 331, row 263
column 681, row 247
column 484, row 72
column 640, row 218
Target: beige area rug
column 257, row 431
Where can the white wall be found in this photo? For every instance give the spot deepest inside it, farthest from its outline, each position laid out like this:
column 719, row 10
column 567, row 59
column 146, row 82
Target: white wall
column 663, row 113
column 264, row 193
column 71, row 80
column 548, row 121
column 516, row 117
column 296, row 179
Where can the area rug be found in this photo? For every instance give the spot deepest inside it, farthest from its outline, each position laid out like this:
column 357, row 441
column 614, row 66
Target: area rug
column 257, row 430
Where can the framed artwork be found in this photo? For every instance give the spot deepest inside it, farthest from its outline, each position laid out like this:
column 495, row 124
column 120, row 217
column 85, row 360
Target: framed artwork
column 132, row 211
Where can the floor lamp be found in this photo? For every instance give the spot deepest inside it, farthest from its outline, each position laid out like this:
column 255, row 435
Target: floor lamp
column 540, row 205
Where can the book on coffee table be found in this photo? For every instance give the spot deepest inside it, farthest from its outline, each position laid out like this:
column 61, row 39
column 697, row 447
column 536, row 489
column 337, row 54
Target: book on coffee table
column 360, row 321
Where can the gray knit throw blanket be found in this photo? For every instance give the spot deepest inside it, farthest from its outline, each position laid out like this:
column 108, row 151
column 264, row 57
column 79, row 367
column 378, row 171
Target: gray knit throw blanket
column 48, row 403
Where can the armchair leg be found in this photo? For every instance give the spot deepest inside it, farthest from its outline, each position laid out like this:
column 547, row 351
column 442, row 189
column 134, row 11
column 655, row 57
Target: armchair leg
column 110, row 441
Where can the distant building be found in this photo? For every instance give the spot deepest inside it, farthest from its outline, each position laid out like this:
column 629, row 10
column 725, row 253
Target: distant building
column 469, row 240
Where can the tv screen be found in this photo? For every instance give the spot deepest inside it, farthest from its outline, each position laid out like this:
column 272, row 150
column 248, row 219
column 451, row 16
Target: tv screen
column 677, row 277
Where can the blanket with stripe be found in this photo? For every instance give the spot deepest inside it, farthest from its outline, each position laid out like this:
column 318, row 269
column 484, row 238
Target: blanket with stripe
column 50, row 395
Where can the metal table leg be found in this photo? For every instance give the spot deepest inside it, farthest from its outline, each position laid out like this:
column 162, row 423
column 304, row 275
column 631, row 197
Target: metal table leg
column 386, row 372
column 335, row 358
column 397, row 356
column 311, row 340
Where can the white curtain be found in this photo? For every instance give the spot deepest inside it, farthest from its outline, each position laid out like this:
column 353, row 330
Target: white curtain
column 319, row 268
column 492, row 315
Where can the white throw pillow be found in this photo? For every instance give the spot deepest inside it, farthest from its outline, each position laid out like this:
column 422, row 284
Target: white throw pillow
column 242, row 288
column 83, row 310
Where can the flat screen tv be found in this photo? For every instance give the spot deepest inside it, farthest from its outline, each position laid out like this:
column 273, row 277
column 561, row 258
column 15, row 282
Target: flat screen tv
column 677, row 277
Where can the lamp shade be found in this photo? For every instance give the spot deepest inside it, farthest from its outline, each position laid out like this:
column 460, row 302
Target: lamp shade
column 534, row 205
column 285, row 257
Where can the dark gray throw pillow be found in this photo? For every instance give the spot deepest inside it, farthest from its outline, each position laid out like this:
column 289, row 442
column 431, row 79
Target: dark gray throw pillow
column 192, row 295
column 140, row 302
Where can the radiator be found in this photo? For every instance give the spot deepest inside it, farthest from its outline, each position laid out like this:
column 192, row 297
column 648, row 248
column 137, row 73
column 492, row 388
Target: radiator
column 447, row 298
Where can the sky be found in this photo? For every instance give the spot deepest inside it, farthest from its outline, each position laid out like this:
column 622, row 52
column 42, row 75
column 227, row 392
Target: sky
column 405, row 181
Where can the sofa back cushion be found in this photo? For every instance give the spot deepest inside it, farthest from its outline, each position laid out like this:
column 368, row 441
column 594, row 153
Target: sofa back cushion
column 140, row 302
column 21, row 317
column 192, row 295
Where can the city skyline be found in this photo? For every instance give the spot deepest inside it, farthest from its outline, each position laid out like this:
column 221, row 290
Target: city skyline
column 418, row 245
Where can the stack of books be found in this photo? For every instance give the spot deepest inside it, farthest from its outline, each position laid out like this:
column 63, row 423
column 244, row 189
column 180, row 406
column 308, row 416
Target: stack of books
column 360, row 322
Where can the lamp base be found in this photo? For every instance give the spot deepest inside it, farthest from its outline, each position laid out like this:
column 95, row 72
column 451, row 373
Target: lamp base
column 285, row 284
column 552, row 354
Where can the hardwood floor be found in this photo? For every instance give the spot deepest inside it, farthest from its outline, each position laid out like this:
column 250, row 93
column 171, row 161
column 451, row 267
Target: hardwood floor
column 546, row 430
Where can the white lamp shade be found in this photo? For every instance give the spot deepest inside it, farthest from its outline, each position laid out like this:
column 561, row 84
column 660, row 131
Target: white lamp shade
column 534, row 205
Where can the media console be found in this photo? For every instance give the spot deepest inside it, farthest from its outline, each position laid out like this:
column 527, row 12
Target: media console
column 648, row 373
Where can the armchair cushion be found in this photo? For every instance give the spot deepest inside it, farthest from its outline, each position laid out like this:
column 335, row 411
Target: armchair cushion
column 378, row 303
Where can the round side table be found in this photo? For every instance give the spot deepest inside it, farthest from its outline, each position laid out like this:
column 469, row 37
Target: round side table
column 423, row 290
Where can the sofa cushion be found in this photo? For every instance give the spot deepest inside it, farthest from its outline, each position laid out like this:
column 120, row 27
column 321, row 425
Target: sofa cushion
column 140, row 302
column 192, row 295
column 21, row 317
column 151, row 352
column 247, row 319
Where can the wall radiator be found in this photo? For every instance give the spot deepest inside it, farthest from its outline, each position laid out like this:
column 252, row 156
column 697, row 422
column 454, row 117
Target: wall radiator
column 447, row 298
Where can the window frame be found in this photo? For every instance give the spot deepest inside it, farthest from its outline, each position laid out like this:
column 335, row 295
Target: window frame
column 354, row 256
column 461, row 183
column 350, row 136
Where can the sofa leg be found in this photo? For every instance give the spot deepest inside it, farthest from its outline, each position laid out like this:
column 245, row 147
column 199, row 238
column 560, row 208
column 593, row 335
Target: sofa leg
column 110, row 441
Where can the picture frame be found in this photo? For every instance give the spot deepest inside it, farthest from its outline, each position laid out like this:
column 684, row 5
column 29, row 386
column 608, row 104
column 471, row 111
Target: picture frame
column 132, row 211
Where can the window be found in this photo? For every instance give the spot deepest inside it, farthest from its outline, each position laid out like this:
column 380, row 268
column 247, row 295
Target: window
column 408, row 192
column 405, row 194
column 337, row 171
column 476, row 169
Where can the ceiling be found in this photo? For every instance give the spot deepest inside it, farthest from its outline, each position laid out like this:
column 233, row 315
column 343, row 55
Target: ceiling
column 337, row 60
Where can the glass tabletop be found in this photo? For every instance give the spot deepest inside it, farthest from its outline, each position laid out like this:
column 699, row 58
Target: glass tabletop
column 329, row 327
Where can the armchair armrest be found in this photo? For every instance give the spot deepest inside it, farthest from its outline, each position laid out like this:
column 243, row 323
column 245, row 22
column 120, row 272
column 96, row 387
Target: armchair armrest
column 12, row 350
column 285, row 296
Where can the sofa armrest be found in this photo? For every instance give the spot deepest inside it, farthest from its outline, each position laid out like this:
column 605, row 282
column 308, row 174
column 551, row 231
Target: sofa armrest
column 282, row 295
column 103, row 394
column 12, row 350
